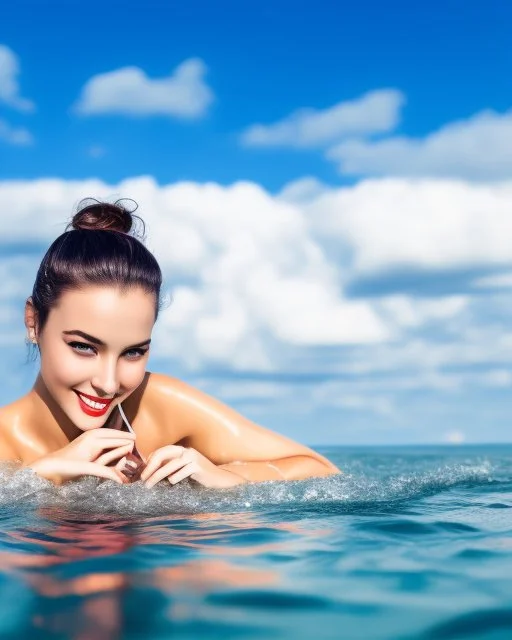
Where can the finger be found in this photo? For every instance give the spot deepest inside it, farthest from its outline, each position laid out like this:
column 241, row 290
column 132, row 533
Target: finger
column 158, row 457
column 120, row 464
column 185, row 472
column 104, row 433
column 111, row 443
column 114, row 454
column 168, row 452
column 163, row 472
column 153, row 477
column 99, row 471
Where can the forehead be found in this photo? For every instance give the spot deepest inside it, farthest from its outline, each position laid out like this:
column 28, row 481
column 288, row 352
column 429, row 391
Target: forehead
column 105, row 311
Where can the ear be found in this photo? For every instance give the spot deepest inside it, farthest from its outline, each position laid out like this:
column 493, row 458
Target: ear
column 31, row 321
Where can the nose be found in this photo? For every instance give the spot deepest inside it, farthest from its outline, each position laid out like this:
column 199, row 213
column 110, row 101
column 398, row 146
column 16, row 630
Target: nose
column 106, row 377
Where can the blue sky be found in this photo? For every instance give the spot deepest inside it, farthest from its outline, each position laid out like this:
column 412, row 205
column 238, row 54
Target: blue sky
column 450, row 59
column 327, row 185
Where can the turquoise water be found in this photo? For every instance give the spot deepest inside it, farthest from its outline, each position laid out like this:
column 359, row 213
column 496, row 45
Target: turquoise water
column 409, row 543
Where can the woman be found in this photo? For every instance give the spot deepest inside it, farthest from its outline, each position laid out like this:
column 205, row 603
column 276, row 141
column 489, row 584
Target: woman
column 94, row 303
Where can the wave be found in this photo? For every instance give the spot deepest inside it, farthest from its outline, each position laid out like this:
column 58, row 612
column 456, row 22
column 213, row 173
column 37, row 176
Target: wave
column 349, row 491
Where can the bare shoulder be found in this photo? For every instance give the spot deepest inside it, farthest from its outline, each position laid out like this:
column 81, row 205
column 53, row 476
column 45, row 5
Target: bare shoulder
column 8, row 450
column 189, row 406
column 180, row 407
column 215, row 429
column 167, row 394
column 161, row 386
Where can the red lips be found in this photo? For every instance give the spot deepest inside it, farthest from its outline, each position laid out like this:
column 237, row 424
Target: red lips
column 90, row 411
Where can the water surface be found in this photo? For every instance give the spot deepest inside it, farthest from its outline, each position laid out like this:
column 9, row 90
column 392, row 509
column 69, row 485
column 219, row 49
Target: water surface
column 410, row 543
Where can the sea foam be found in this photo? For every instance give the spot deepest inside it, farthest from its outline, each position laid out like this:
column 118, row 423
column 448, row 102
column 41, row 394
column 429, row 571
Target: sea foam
column 346, row 491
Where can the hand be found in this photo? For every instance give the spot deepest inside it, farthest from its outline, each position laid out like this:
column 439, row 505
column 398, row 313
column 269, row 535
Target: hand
column 177, row 463
column 58, row 470
column 89, row 454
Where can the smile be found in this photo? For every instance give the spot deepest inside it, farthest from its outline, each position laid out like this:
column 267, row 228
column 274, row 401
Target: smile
column 92, row 405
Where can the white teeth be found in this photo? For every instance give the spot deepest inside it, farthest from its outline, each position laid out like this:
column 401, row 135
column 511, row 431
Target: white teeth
column 93, row 405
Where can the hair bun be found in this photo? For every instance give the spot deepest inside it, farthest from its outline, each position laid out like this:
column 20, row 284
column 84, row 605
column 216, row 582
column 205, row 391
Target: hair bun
column 94, row 215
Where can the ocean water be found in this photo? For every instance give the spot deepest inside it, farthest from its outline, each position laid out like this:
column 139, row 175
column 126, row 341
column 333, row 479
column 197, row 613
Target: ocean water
column 410, row 543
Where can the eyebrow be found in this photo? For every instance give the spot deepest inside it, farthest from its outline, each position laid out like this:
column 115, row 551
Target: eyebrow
column 100, row 343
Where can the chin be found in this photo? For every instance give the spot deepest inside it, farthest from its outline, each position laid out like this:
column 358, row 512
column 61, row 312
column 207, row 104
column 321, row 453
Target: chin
column 85, row 423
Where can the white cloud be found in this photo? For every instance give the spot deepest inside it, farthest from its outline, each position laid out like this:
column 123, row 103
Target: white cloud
column 353, row 397
column 407, row 311
column 479, row 148
column 374, row 112
column 40, row 209
column 13, row 270
column 303, row 190
column 236, row 390
column 454, row 437
column 16, row 136
column 433, row 225
column 259, row 275
column 259, row 279
column 259, row 282
column 9, row 86
column 497, row 378
column 496, row 281
column 427, row 358
column 129, row 91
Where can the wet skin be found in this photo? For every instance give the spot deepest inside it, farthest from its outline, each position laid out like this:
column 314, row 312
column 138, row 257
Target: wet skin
column 96, row 343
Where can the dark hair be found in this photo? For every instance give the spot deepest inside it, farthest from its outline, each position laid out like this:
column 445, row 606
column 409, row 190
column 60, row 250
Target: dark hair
column 96, row 249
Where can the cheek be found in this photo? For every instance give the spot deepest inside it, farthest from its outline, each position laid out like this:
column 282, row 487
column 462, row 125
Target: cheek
column 132, row 374
column 59, row 367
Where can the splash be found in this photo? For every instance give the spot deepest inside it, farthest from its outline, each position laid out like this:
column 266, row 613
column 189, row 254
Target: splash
column 339, row 493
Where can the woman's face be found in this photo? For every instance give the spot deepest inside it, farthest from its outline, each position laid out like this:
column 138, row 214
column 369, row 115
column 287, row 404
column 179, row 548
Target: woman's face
column 94, row 349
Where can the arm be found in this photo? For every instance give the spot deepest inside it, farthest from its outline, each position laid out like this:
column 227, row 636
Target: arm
column 83, row 456
column 232, row 442
column 7, row 451
column 292, row 468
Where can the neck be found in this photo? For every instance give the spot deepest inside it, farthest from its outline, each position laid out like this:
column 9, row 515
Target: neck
column 51, row 414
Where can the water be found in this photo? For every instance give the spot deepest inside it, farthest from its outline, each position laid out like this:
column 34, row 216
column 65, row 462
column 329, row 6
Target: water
column 411, row 543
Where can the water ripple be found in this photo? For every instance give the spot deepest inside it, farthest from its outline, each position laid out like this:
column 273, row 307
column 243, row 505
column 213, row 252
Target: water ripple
column 409, row 544
column 473, row 625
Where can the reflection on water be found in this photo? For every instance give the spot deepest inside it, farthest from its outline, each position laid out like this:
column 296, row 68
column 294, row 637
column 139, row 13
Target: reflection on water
column 90, row 576
column 375, row 554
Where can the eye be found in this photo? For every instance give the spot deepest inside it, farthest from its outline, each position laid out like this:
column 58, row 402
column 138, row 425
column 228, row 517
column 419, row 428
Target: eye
column 82, row 347
column 134, row 354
